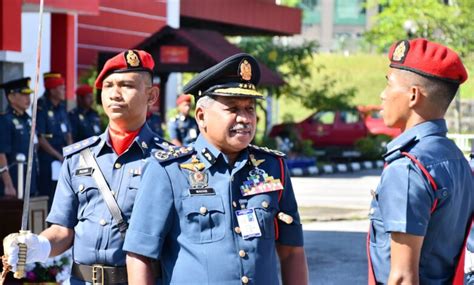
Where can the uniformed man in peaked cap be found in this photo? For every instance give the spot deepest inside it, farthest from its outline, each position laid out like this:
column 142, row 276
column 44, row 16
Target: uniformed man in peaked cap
column 223, row 209
column 15, row 138
column 100, row 178
column 85, row 121
column 422, row 208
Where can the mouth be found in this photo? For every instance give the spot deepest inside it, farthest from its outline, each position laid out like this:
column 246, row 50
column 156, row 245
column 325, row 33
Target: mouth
column 116, row 106
column 246, row 131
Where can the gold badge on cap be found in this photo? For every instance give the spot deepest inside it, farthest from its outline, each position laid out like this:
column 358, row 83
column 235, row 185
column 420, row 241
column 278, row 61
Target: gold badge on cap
column 400, row 51
column 245, row 70
column 132, row 58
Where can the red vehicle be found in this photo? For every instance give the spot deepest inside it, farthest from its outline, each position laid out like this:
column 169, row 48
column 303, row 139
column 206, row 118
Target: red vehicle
column 329, row 128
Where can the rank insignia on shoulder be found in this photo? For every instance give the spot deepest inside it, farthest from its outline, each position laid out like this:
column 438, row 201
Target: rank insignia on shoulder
column 208, row 155
column 173, row 152
column 76, row 147
column 267, row 150
column 161, row 143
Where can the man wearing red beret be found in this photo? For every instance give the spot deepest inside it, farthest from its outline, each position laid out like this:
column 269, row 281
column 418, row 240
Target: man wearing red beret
column 421, row 211
column 54, row 132
column 183, row 129
column 85, row 121
column 99, row 179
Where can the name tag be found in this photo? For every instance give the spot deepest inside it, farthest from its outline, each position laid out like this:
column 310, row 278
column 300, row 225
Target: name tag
column 84, row 171
column 248, row 223
column 202, row 191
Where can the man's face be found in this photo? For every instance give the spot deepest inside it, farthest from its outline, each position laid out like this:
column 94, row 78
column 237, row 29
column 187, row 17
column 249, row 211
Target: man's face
column 20, row 101
column 184, row 108
column 58, row 93
column 125, row 97
column 395, row 99
column 85, row 101
column 228, row 123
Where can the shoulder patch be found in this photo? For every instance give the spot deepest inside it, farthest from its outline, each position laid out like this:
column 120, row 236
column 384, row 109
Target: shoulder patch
column 267, row 150
column 172, row 153
column 161, row 143
column 75, row 147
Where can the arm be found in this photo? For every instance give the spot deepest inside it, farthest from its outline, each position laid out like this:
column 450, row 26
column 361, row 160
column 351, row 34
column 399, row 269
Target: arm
column 405, row 258
column 44, row 144
column 139, row 269
column 60, row 237
column 294, row 269
column 7, row 179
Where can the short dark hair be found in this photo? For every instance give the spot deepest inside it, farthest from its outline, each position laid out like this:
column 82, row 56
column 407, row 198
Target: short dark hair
column 440, row 91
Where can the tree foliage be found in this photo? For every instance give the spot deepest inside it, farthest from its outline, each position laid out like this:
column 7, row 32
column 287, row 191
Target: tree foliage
column 433, row 19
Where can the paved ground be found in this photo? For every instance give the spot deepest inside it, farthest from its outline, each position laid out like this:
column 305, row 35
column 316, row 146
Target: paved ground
column 334, row 210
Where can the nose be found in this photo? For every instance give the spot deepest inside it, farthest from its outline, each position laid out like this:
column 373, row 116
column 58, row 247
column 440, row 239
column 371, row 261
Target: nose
column 244, row 117
column 115, row 93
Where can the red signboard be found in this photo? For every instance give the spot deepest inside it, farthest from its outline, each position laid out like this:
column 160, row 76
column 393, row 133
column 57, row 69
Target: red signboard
column 174, row 54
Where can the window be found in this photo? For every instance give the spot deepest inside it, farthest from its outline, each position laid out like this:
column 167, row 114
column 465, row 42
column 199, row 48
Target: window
column 324, row 117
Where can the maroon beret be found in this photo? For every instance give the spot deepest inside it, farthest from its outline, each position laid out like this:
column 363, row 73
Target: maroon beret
column 183, row 98
column 127, row 61
column 83, row 90
column 428, row 59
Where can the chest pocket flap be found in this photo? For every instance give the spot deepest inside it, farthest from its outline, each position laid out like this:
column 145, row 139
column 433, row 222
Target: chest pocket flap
column 205, row 219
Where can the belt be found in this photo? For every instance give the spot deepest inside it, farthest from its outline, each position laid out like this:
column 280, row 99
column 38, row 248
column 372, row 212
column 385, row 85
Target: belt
column 101, row 274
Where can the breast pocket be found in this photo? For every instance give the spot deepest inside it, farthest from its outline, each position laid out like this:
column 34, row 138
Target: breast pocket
column 87, row 193
column 378, row 235
column 204, row 218
column 266, row 207
column 131, row 193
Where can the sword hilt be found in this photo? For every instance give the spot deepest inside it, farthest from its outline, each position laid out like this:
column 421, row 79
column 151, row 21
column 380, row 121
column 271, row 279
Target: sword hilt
column 20, row 266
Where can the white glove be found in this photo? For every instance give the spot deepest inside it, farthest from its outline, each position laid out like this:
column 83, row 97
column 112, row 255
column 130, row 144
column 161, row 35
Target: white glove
column 38, row 248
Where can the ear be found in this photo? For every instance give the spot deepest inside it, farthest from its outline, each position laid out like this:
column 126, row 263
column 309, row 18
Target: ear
column 153, row 95
column 416, row 96
column 200, row 117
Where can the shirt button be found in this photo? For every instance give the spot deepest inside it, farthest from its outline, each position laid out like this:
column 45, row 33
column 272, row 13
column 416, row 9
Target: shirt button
column 245, row 279
column 102, row 222
column 203, row 210
column 237, row 230
column 81, row 187
column 117, row 165
column 265, row 204
column 234, row 204
column 242, row 253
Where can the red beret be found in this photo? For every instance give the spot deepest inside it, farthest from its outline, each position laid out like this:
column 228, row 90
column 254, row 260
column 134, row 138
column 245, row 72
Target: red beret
column 428, row 59
column 127, row 61
column 83, row 90
column 52, row 80
column 183, row 98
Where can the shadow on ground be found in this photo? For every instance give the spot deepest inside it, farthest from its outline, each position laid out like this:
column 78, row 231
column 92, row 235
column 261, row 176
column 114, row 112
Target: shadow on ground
column 336, row 257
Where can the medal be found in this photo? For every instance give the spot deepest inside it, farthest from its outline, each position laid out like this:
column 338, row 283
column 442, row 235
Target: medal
column 258, row 180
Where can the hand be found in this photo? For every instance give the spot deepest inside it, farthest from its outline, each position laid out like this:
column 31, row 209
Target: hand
column 38, row 248
column 10, row 190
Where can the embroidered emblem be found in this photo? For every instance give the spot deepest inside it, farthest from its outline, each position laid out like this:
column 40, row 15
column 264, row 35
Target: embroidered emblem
column 194, row 165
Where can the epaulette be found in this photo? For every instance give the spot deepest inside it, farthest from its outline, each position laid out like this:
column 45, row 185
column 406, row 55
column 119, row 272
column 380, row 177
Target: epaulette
column 75, row 147
column 267, row 150
column 172, row 153
column 396, row 152
column 161, row 143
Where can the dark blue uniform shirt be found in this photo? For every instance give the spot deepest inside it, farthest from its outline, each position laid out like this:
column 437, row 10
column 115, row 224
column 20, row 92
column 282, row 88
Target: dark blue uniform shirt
column 183, row 128
column 197, row 237
column 404, row 198
column 14, row 140
column 79, row 205
column 84, row 123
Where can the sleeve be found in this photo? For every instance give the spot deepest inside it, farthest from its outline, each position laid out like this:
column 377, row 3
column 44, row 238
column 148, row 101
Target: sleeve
column 41, row 121
column 64, row 210
column 5, row 138
column 73, row 126
column 152, row 215
column 405, row 198
column 173, row 130
column 289, row 234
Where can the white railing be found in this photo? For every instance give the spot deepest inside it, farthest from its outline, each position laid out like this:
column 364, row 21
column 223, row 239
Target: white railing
column 464, row 142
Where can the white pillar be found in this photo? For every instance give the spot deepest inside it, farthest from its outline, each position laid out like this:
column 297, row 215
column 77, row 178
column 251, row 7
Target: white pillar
column 174, row 79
